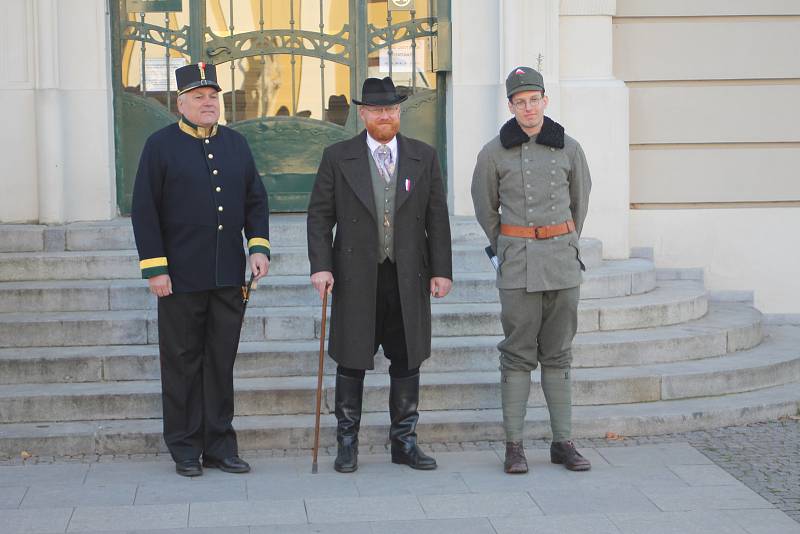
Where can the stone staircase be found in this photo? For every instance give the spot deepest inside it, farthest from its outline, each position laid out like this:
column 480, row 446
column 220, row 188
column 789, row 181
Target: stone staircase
column 79, row 357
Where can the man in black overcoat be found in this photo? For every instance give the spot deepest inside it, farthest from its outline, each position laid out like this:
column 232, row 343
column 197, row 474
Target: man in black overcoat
column 196, row 190
column 384, row 194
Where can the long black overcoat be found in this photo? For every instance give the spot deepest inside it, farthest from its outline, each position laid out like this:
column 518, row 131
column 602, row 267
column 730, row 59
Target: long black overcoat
column 343, row 197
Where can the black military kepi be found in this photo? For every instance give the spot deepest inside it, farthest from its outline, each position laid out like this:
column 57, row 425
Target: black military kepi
column 197, row 75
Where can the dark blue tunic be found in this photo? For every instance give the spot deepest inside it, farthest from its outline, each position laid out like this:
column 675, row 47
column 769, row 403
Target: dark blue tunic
column 196, row 190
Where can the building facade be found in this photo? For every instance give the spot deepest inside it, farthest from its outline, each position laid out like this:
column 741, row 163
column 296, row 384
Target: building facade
column 687, row 110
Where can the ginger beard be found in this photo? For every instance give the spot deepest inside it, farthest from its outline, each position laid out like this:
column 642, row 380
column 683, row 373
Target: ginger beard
column 382, row 126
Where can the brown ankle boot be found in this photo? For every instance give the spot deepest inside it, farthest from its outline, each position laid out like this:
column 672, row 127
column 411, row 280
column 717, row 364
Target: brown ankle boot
column 564, row 452
column 515, row 462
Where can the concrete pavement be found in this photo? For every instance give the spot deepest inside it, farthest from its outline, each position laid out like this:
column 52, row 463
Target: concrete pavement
column 668, row 487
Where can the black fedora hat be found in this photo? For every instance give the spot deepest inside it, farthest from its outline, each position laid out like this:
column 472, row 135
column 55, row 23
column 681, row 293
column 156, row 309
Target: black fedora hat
column 376, row 92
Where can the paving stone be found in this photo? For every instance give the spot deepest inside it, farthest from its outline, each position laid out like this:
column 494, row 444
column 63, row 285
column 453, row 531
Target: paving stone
column 94, row 518
column 27, row 475
column 562, row 524
column 764, row 521
column 34, row 521
column 434, row 526
column 279, row 487
column 349, row 509
column 704, row 498
column 11, row 496
column 582, row 499
column 703, row 475
column 477, row 505
column 706, row 522
column 232, row 514
column 666, row 455
column 61, row 495
column 317, row 528
column 180, row 490
column 416, row 483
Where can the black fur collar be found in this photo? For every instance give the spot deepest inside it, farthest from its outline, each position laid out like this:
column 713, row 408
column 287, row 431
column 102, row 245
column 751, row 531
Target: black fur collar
column 552, row 134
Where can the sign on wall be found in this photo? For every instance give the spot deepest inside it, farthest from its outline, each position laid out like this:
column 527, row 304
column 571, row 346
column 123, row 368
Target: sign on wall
column 401, row 5
column 155, row 72
column 148, row 6
column 401, row 57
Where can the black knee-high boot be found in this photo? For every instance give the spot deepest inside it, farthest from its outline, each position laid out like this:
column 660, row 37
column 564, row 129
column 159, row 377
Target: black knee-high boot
column 403, row 402
column 349, row 392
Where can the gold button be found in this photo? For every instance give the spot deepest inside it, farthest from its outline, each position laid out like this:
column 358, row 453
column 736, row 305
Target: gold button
column 219, row 208
column 552, row 161
column 553, row 208
column 552, row 172
column 207, row 141
column 527, row 172
column 219, row 227
column 218, row 189
column 552, row 195
column 530, row 198
column 552, row 183
column 527, row 160
column 526, row 147
column 552, row 149
column 211, row 156
column 530, row 224
column 215, row 172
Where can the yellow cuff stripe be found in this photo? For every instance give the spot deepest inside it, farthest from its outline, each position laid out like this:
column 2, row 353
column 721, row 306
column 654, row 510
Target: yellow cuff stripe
column 153, row 262
column 258, row 241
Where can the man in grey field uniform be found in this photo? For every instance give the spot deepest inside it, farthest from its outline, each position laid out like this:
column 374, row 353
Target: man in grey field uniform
column 530, row 189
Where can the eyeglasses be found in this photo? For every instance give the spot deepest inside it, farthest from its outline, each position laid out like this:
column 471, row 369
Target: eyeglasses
column 521, row 105
column 380, row 110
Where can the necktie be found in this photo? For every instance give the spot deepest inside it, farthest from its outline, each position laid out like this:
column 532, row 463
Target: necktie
column 383, row 157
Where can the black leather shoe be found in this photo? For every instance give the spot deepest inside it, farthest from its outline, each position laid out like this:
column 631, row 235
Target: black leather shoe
column 564, row 452
column 234, row 464
column 347, row 407
column 188, row 468
column 403, row 402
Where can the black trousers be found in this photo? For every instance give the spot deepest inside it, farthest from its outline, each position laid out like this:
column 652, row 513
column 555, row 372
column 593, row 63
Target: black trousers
column 389, row 330
column 198, row 336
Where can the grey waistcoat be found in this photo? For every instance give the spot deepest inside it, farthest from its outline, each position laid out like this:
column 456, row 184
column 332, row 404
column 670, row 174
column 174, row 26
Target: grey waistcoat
column 384, row 209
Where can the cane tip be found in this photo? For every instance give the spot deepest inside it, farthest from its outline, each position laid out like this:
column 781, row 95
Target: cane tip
column 314, row 468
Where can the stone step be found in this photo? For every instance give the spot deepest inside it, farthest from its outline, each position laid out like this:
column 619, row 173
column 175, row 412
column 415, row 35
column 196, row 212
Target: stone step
column 634, row 275
column 774, row 362
column 133, row 436
column 726, row 328
column 610, row 279
column 675, row 302
column 286, row 230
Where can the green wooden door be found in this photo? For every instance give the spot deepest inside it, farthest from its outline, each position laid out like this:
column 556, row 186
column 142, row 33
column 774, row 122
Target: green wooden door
column 289, row 70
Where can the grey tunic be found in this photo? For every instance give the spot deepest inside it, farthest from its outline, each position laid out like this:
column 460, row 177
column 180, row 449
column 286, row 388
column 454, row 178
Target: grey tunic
column 538, row 181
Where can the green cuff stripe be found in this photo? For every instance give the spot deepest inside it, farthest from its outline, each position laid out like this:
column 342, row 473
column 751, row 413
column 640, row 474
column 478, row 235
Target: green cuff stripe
column 258, row 249
column 154, row 271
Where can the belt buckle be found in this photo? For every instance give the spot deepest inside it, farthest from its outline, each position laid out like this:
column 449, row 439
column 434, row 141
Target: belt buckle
column 536, row 232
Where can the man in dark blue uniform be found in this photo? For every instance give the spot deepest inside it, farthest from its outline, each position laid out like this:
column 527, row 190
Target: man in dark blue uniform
column 197, row 188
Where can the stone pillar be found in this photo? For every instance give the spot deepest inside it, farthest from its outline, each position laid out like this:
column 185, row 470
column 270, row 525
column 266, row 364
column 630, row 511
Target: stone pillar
column 49, row 128
column 594, row 110
column 56, row 87
column 472, row 91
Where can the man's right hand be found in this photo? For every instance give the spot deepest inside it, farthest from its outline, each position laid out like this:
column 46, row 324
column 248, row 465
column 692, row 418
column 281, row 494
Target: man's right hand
column 321, row 280
column 160, row 285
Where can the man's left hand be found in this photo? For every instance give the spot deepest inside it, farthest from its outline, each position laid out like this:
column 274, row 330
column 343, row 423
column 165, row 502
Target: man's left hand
column 259, row 265
column 440, row 286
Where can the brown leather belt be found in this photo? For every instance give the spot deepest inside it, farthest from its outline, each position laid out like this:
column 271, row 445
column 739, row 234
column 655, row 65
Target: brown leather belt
column 538, row 232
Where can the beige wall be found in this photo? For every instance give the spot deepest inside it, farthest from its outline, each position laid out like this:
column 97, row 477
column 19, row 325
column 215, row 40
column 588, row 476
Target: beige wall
column 722, row 75
column 715, row 138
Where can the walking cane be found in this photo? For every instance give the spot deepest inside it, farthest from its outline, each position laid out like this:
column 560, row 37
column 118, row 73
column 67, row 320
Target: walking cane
column 246, row 295
column 319, row 379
